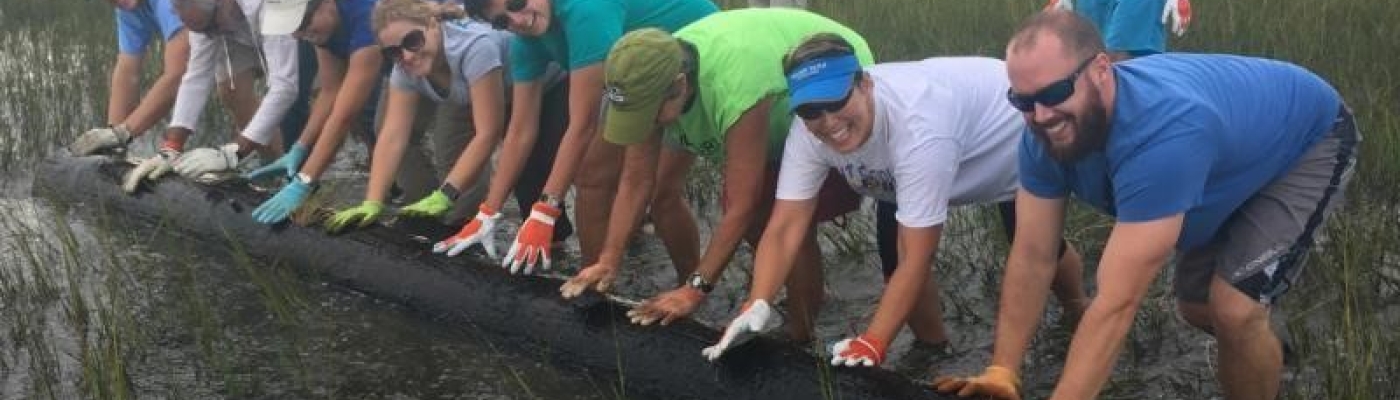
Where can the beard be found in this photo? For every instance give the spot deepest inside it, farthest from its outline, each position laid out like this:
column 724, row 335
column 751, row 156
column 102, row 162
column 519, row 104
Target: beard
column 1090, row 131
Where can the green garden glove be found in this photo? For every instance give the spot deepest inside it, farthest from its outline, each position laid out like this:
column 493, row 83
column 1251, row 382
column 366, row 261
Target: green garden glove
column 434, row 205
column 360, row 216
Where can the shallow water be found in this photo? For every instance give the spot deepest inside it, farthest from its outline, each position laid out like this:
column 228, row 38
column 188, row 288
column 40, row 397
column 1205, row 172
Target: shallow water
column 91, row 310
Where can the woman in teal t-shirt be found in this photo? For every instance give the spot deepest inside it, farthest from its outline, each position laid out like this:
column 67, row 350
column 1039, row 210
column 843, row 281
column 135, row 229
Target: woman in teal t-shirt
column 576, row 34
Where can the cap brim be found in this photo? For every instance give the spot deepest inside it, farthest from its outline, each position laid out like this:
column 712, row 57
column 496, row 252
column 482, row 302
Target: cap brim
column 282, row 20
column 630, row 126
column 822, row 89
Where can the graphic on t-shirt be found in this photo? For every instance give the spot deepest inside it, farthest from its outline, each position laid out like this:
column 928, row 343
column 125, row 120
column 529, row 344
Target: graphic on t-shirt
column 877, row 183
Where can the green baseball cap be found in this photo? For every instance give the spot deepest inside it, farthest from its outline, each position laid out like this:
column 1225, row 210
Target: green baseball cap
column 636, row 75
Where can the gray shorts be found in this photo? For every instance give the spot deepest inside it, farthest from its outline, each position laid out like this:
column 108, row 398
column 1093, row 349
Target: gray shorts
column 241, row 57
column 1261, row 249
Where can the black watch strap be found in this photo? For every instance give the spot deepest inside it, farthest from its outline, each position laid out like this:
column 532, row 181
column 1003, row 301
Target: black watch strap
column 698, row 281
column 450, row 191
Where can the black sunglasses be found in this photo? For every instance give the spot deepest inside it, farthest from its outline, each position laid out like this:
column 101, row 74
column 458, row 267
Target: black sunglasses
column 412, row 42
column 1051, row 95
column 502, row 21
column 816, row 110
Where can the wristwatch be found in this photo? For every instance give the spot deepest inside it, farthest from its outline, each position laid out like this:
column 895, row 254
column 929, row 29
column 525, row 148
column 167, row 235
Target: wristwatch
column 552, row 200
column 450, row 191
column 698, row 281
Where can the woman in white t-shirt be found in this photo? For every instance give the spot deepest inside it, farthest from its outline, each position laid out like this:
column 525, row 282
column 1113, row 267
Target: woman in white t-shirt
column 915, row 136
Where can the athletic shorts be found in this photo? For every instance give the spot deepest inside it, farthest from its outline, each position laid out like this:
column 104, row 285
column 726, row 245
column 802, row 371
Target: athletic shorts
column 887, row 232
column 1262, row 247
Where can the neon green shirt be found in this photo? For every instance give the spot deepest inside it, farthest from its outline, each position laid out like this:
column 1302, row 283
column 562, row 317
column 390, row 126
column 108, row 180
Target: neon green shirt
column 583, row 31
column 740, row 62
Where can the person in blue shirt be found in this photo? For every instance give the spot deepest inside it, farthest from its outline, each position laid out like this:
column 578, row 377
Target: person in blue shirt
column 349, row 68
column 1233, row 162
column 139, row 23
column 1130, row 27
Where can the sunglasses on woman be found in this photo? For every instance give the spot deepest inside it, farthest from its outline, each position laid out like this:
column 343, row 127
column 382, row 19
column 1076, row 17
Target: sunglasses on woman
column 817, row 110
column 412, row 42
column 502, row 21
column 1051, row 95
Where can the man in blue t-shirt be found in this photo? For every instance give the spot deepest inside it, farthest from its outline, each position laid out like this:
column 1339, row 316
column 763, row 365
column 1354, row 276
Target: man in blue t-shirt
column 1233, row 161
column 138, row 23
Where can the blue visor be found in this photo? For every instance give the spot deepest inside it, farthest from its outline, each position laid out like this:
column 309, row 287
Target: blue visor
column 821, row 80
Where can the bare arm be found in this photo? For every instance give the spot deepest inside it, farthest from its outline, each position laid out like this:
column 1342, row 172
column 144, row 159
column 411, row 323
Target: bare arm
column 585, row 97
column 343, row 96
column 633, row 194
column 782, row 237
column 1029, row 270
column 917, row 247
column 1134, row 255
column 160, row 97
column 391, row 142
column 488, row 116
column 520, row 139
column 126, row 88
column 746, row 155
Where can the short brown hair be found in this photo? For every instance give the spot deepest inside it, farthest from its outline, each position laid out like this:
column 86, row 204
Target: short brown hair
column 1079, row 36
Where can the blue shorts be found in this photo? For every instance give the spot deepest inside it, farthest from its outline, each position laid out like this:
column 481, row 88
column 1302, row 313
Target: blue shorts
column 136, row 27
column 1129, row 26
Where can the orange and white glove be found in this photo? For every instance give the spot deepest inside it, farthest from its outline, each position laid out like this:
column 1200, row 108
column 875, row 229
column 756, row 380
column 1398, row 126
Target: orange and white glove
column 861, row 350
column 532, row 243
column 1179, row 12
column 1067, row 5
column 479, row 231
column 996, row 382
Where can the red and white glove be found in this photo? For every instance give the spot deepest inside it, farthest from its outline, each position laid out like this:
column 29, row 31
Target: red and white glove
column 861, row 350
column 532, row 243
column 479, row 231
column 1179, row 11
column 1067, row 5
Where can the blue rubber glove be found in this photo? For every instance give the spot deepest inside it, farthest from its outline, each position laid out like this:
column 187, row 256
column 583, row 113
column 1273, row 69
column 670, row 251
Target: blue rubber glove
column 282, row 204
column 288, row 164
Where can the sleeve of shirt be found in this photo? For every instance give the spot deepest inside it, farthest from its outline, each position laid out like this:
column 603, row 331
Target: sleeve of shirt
column 924, row 170
column 281, row 53
column 481, row 57
column 132, row 34
column 591, row 28
column 803, row 170
column 169, row 22
column 742, row 90
column 401, row 80
column 1168, row 176
column 195, row 84
column 528, row 59
column 1039, row 174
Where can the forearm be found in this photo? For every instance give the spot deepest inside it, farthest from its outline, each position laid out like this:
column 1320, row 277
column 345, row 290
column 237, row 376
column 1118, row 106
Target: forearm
column 772, row 259
column 195, row 84
column 156, row 104
column 1023, row 293
column 1096, row 344
column 126, row 86
column 901, row 292
column 571, row 151
column 633, row 193
column 515, row 151
column 388, row 151
column 472, row 161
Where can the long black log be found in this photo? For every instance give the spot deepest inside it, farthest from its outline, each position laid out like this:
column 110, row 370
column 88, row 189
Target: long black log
column 525, row 312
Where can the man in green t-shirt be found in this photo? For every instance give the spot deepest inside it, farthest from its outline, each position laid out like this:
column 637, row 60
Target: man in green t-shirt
column 717, row 88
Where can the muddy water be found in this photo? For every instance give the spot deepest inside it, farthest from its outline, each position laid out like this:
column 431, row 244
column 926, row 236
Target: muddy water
column 91, row 310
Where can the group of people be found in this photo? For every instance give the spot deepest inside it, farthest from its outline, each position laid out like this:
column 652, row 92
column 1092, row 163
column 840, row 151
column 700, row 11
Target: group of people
column 1229, row 163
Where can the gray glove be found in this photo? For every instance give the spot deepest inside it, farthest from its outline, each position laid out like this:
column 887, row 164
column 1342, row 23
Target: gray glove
column 197, row 162
column 99, row 139
column 150, row 169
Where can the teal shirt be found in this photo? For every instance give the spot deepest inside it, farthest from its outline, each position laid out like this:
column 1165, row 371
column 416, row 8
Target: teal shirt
column 740, row 62
column 583, row 31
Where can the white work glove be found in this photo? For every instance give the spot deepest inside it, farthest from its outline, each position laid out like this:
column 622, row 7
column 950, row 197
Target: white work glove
column 198, row 162
column 1067, row 5
column 100, row 139
column 150, row 169
column 478, row 231
column 1179, row 12
column 750, row 322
